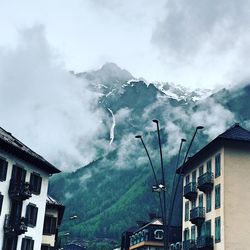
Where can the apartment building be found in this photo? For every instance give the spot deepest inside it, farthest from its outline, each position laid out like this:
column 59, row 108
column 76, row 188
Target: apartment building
column 216, row 197
column 52, row 220
column 24, row 179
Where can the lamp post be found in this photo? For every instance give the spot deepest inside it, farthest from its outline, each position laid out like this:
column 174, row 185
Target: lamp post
column 179, row 178
column 156, row 187
column 164, row 219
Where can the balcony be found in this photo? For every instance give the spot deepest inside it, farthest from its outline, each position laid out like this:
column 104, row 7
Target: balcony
column 197, row 215
column 14, row 227
column 205, row 242
column 189, row 245
column 19, row 190
column 206, row 182
column 190, row 191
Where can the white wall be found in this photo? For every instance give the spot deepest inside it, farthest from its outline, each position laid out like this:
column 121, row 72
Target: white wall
column 39, row 200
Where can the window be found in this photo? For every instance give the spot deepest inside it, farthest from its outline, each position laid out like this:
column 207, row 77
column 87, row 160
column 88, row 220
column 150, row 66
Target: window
column 186, row 234
column 193, row 233
column 187, row 179
column 193, row 203
column 48, row 247
column 217, row 196
column 158, row 234
column 217, row 229
column 1, row 202
column 208, row 228
column 194, row 176
column 201, row 170
column 217, row 165
column 208, row 202
column 3, row 169
column 201, row 200
column 209, row 166
column 27, row 243
column 31, row 214
column 49, row 226
column 35, row 183
column 186, row 211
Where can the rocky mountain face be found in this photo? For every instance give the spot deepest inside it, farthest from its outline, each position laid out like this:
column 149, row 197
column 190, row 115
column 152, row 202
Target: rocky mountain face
column 111, row 193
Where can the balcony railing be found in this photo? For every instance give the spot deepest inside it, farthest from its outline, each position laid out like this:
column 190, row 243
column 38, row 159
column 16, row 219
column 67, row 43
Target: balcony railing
column 205, row 242
column 14, row 226
column 19, row 190
column 189, row 245
column 190, row 191
column 197, row 215
column 206, row 182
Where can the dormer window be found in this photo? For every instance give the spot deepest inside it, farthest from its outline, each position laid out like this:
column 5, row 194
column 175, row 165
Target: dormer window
column 158, row 234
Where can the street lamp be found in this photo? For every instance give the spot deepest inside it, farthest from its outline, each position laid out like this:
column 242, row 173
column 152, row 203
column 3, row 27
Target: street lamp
column 164, row 219
column 157, row 185
column 179, row 178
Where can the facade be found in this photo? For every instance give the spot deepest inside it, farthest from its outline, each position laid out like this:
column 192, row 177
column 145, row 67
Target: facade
column 149, row 236
column 52, row 220
column 216, row 197
column 23, row 191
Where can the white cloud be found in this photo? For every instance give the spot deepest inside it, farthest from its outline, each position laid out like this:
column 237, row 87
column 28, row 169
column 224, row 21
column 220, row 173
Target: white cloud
column 44, row 105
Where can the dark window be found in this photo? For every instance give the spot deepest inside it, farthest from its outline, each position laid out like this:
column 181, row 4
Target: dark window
column 193, row 233
column 49, row 226
column 208, row 228
column 209, row 202
column 31, row 215
column 201, row 200
column 1, row 202
column 217, row 165
column 194, row 176
column 10, row 243
column 209, row 166
column 217, row 196
column 193, row 203
column 27, row 244
column 186, row 234
column 217, row 229
column 201, row 170
column 35, row 183
column 18, row 174
column 47, row 247
column 186, row 211
column 187, row 179
column 3, row 169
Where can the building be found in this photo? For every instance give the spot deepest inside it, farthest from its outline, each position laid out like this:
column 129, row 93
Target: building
column 149, row 236
column 216, row 200
column 24, row 179
column 52, row 220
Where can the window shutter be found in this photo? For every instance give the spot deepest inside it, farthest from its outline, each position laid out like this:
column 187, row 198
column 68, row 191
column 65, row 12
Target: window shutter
column 39, row 184
column 53, row 225
column 28, row 214
column 35, row 215
column 31, row 244
column 24, row 244
column 1, row 202
column 3, row 170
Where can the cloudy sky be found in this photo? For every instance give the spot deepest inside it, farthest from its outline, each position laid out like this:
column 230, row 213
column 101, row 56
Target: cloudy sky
column 195, row 43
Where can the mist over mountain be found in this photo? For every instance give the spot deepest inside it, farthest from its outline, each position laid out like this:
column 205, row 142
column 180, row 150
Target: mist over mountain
column 114, row 190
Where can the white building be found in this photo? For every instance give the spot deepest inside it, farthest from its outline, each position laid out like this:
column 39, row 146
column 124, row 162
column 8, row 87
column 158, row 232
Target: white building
column 23, row 192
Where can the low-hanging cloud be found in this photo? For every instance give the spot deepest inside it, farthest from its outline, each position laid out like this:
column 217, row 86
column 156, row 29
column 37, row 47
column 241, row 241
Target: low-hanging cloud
column 45, row 106
column 205, row 41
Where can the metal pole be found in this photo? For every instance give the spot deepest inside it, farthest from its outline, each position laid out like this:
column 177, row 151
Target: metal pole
column 153, row 169
column 164, row 219
column 173, row 186
column 179, row 177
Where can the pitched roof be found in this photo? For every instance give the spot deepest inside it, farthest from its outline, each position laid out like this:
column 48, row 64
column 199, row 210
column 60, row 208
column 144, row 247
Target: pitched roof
column 234, row 133
column 12, row 145
column 54, row 204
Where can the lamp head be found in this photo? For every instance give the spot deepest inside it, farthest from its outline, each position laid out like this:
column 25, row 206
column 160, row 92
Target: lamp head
column 199, row 127
column 156, row 121
column 183, row 140
column 138, row 136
